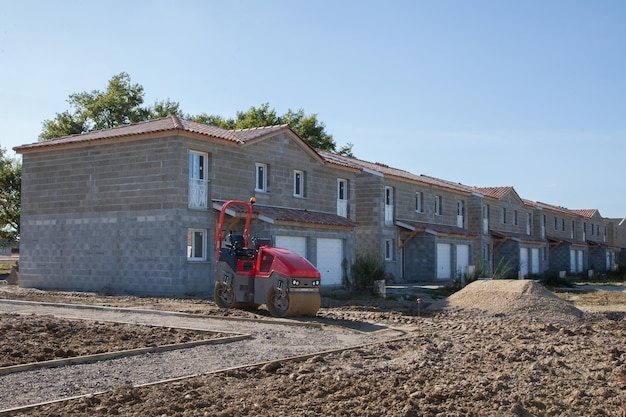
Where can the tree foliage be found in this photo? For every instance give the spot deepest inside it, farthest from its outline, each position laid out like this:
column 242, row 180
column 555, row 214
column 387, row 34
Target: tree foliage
column 121, row 103
column 308, row 127
column 10, row 186
column 366, row 269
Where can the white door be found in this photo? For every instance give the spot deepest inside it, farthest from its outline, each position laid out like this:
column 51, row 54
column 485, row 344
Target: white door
column 523, row 260
column 534, row 264
column 462, row 259
column 460, row 213
column 342, row 197
column 579, row 261
column 329, row 257
column 296, row 244
column 572, row 260
column 443, row 261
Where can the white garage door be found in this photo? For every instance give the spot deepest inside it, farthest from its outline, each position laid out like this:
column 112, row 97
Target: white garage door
column 579, row 261
column 329, row 257
column 444, row 268
column 523, row 261
column 296, row 244
column 534, row 264
column 462, row 259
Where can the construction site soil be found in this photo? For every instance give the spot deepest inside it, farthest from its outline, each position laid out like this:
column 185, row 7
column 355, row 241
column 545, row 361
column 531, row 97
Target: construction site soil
column 495, row 348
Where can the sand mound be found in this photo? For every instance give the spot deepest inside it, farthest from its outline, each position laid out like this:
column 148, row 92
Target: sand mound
column 512, row 298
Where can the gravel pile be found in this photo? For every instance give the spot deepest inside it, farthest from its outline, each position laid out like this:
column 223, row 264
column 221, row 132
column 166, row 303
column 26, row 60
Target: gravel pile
column 521, row 299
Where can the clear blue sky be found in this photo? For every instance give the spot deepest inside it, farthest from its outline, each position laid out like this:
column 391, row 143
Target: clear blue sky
column 528, row 93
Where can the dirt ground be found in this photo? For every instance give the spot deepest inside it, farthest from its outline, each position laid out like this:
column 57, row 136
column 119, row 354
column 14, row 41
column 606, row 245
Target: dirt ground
column 492, row 349
column 28, row 339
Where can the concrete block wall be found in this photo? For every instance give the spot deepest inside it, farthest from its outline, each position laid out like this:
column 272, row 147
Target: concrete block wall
column 138, row 252
column 114, row 217
column 138, row 175
column 559, row 258
column 507, row 258
column 597, row 258
column 405, row 203
column 512, row 205
column 283, row 155
column 559, row 225
column 538, row 223
column 421, row 258
column 370, row 213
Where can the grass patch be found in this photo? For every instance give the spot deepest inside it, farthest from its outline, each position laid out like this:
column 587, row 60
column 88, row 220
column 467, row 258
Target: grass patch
column 602, row 283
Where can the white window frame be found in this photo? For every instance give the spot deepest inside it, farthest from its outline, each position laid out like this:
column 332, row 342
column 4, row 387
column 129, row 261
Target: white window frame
column 342, row 189
column 389, row 205
column 389, row 249
column 192, row 250
column 460, row 213
column 342, row 197
column 198, row 182
column 260, row 177
column 298, row 183
column 438, row 205
column 197, row 165
column 486, row 219
column 419, row 202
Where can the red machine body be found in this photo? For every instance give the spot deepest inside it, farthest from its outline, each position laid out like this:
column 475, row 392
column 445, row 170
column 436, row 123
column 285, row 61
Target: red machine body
column 248, row 275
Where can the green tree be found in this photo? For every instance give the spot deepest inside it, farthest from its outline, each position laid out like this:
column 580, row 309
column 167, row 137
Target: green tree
column 308, row 127
column 10, row 186
column 120, row 104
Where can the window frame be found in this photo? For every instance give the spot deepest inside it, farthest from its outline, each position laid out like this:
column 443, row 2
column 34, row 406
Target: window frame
column 191, row 244
column 419, row 202
column 389, row 249
column 298, row 183
column 260, row 177
column 342, row 188
column 438, row 205
column 198, row 182
column 200, row 168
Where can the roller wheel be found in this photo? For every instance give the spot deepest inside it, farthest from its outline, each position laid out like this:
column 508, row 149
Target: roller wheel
column 224, row 295
column 277, row 304
column 292, row 304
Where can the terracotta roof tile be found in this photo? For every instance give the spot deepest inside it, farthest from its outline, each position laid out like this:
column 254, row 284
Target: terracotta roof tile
column 587, row 213
column 558, row 209
column 282, row 214
column 565, row 240
column 383, row 169
column 165, row 124
column 494, row 192
column 519, row 236
column 292, row 215
column 437, row 228
column 249, row 134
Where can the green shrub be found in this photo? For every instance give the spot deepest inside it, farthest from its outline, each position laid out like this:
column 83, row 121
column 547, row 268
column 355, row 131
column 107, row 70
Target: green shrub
column 552, row 279
column 365, row 270
column 501, row 270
